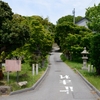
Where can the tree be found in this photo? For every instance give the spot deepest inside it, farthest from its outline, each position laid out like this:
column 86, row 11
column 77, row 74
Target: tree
column 13, row 34
column 5, row 13
column 93, row 15
column 41, row 39
column 5, row 17
column 68, row 18
column 71, row 39
column 62, row 31
column 78, row 18
column 95, row 52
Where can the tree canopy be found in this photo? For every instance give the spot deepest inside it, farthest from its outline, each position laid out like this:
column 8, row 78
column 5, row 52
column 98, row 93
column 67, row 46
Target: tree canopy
column 31, row 37
column 68, row 18
column 28, row 37
column 95, row 52
column 5, row 17
column 71, row 39
column 93, row 15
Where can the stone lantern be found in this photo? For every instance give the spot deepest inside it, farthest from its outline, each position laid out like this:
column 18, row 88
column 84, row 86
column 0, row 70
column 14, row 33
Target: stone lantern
column 84, row 53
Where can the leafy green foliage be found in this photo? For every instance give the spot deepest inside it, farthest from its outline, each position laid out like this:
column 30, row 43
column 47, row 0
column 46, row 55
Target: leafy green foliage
column 95, row 52
column 16, row 37
column 93, row 14
column 78, row 18
column 68, row 18
column 27, row 38
column 90, row 76
column 71, row 39
column 5, row 12
column 40, row 42
column 13, row 34
column 5, row 17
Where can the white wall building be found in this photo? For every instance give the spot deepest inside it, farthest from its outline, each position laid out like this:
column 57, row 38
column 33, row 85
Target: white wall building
column 82, row 22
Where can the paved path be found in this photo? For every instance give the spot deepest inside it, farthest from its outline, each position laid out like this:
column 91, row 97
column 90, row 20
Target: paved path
column 61, row 83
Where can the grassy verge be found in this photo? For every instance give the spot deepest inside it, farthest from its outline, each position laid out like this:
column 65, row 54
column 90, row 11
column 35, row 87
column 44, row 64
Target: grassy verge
column 24, row 75
column 90, row 76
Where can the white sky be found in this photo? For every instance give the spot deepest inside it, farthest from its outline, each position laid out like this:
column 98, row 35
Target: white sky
column 53, row 9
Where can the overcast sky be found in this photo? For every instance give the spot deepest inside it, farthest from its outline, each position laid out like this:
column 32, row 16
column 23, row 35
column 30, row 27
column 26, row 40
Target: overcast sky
column 53, row 9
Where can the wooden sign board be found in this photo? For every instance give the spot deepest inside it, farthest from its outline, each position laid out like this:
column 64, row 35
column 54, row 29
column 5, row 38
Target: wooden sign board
column 13, row 65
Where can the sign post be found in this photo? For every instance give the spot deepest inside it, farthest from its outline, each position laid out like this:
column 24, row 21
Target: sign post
column 17, row 76
column 7, row 76
column 13, row 66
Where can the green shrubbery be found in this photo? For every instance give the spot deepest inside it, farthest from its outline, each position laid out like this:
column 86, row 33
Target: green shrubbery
column 29, row 38
column 90, row 76
column 95, row 52
column 24, row 75
column 72, row 39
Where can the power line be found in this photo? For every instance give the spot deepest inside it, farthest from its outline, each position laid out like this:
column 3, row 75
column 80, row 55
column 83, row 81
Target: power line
column 91, row 3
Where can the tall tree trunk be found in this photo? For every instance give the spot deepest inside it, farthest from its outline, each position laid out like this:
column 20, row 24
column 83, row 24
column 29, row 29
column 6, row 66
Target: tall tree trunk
column 1, row 73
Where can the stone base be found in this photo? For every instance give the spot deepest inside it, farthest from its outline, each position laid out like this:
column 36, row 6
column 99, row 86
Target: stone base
column 84, row 68
column 22, row 83
column 5, row 90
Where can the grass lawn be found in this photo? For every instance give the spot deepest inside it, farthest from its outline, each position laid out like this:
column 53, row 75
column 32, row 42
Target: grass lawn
column 90, row 76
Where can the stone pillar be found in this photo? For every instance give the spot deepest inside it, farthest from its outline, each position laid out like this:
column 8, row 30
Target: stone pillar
column 33, row 69
column 88, row 68
column 84, row 63
column 92, row 69
column 36, row 69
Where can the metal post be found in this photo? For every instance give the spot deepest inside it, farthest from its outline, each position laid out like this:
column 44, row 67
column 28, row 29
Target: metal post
column 8, row 76
column 17, row 76
column 74, row 16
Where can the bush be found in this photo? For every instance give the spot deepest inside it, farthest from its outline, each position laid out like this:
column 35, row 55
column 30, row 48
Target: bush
column 95, row 52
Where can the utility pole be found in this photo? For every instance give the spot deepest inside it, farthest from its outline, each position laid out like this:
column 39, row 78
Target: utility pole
column 73, row 15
